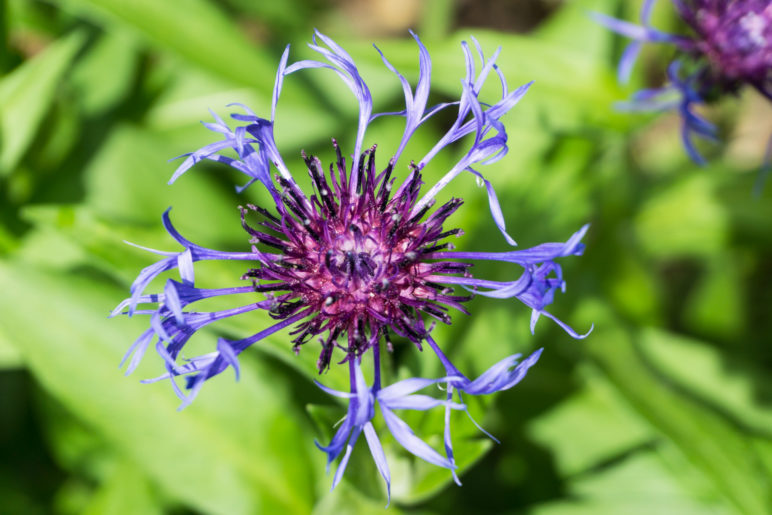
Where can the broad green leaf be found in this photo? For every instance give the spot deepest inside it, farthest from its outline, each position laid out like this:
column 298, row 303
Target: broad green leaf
column 436, row 19
column 703, row 370
column 718, row 449
column 416, row 481
column 278, row 15
column 639, row 484
column 84, row 238
column 234, row 451
column 35, row 248
column 84, row 453
column 764, row 448
column 127, row 180
column 346, row 500
column 684, row 219
column 572, row 25
column 26, row 95
column 10, row 358
column 106, row 73
column 716, row 307
column 631, row 289
column 126, row 488
column 180, row 107
column 590, row 427
column 195, row 30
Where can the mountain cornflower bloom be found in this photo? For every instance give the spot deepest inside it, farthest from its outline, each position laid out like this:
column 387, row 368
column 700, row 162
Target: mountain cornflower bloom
column 362, row 258
column 729, row 46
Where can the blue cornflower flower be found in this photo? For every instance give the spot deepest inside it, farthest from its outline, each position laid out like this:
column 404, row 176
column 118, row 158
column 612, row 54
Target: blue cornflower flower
column 730, row 46
column 355, row 261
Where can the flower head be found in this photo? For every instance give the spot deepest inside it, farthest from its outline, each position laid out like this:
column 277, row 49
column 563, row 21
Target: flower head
column 361, row 259
column 729, row 46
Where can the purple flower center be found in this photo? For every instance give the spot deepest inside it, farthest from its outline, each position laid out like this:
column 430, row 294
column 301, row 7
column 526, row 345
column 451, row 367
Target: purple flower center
column 356, row 258
column 735, row 37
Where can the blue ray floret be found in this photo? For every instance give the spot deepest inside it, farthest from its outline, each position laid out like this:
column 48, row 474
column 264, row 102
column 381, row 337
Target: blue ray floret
column 358, row 261
column 730, row 45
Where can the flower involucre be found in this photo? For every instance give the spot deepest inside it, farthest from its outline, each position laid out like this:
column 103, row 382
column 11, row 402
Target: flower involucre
column 361, row 259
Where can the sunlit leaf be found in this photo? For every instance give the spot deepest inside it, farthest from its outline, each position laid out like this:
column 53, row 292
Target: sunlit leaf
column 193, row 29
column 702, row 369
column 26, row 95
column 592, row 427
column 684, row 219
column 718, row 449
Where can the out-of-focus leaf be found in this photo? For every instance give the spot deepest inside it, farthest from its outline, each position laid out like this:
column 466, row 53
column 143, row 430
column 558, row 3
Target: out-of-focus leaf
column 35, row 248
column 346, row 500
column 632, row 289
column 436, row 19
column 716, row 306
column 194, row 29
column 105, row 74
column 126, row 487
column 86, row 239
column 592, row 426
column 718, row 449
column 701, row 368
column 8, row 241
column 75, row 446
column 277, row 15
column 640, row 484
column 246, row 440
column 684, row 219
column 751, row 216
column 415, row 480
column 571, row 25
column 26, row 95
column 127, row 180
column 184, row 103
column 764, row 448
column 10, row 358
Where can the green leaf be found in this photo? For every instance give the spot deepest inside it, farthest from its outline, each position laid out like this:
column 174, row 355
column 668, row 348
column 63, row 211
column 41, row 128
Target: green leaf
column 416, row 480
column 127, row 488
column 641, row 484
column 571, row 25
column 718, row 449
column 717, row 305
column 105, row 74
column 234, row 451
column 684, row 219
column 591, row 426
column 631, row 289
column 195, row 30
column 26, row 95
column 10, row 358
column 709, row 375
column 127, row 180
column 346, row 500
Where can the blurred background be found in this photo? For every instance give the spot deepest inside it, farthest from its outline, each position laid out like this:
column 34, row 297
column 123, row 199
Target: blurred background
column 665, row 408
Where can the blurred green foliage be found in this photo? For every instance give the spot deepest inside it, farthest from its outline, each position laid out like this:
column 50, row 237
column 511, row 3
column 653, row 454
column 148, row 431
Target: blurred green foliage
column 665, row 408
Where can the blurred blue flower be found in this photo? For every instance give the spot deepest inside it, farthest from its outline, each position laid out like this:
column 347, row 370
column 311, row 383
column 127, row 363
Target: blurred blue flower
column 730, row 45
column 356, row 260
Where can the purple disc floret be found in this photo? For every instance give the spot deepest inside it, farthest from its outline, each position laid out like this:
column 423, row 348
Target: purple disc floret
column 362, row 259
